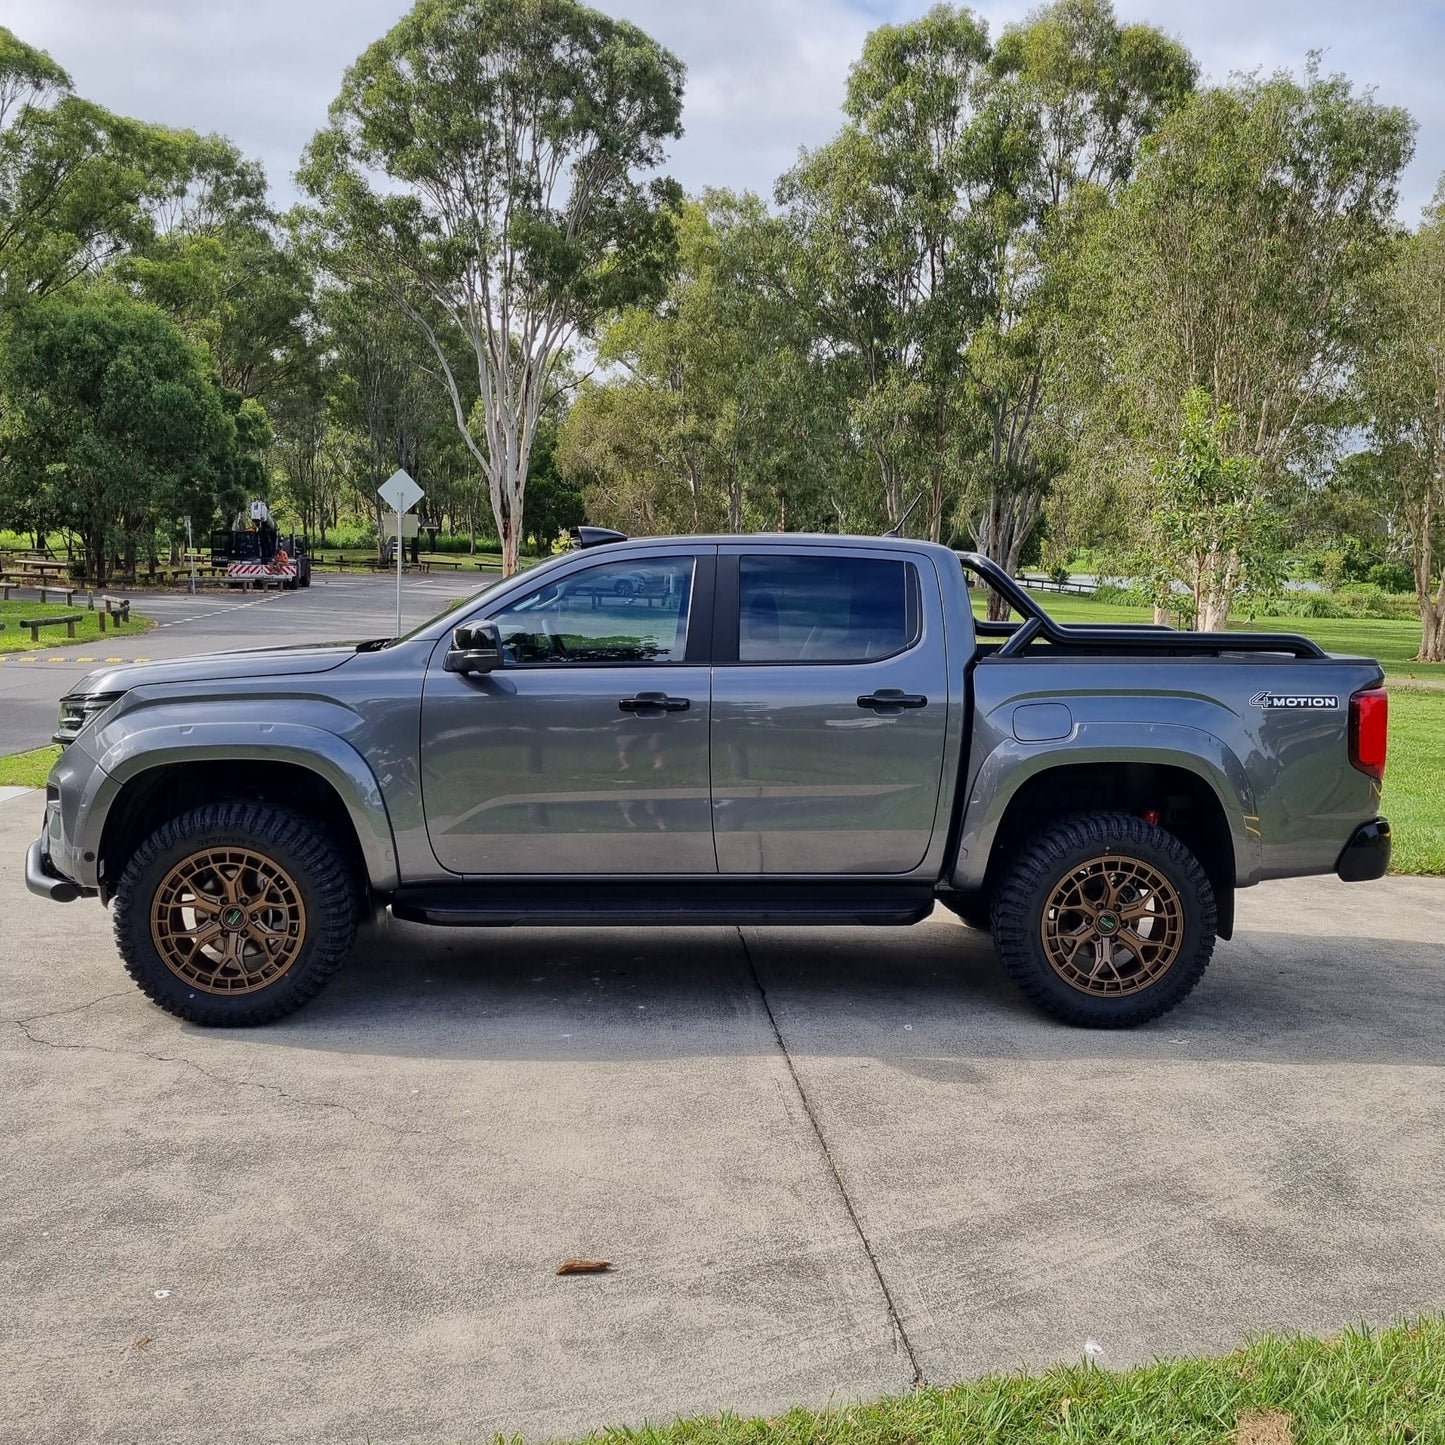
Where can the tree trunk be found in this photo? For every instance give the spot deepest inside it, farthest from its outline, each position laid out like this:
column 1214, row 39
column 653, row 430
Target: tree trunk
column 95, row 555
column 1432, row 627
column 1000, row 534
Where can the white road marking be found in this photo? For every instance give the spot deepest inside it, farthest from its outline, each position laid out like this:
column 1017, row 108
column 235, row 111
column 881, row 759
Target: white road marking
column 219, row 611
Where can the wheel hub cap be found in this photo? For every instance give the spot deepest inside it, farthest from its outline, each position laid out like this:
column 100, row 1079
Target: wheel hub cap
column 228, row 920
column 1113, row 925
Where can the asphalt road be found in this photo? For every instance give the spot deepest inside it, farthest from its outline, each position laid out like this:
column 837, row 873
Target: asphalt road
column 332, row 608
column 823, row 1164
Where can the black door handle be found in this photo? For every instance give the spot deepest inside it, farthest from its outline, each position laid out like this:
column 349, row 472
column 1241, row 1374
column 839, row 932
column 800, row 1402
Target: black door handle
column 886, row 699
column 654, row 702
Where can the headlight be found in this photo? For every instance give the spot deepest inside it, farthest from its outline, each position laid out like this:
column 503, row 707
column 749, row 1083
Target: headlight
column 77, row 709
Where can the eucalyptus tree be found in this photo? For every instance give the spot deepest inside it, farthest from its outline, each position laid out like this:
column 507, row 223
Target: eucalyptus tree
column 711, row 413
column 382, row 388
column 487, row 167
column 940, row 225
column 79, row 186
column 1402, row 386
column 1237, row 261
column 227, row 272
column 888, row 217
column 1072, row 95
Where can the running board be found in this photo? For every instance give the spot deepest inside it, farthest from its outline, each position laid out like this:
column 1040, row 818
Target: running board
column 654, row 904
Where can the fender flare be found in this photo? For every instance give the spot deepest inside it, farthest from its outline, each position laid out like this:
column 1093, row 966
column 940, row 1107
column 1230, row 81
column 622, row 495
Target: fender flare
column 1012, row 764
column 162, row 740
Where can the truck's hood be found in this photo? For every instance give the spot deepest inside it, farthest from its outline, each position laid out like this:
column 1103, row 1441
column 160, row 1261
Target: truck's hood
column 251, row 663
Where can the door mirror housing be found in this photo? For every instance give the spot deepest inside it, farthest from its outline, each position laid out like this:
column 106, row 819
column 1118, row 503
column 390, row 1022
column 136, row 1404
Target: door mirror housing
column 477, row 648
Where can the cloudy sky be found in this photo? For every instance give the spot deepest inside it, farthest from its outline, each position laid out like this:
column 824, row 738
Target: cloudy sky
column 764, row 76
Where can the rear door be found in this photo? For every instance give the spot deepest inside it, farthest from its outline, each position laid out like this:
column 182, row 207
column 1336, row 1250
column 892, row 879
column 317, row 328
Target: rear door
column 830, row 710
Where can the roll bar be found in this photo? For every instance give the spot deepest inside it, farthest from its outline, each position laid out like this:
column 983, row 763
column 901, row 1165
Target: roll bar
column 1142, row 637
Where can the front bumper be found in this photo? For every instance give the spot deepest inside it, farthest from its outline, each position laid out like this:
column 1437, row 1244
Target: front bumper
column 42, row 878
column 1367, row 855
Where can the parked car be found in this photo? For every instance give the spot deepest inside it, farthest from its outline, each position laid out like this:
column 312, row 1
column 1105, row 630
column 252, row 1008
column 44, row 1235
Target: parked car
column 807, row 730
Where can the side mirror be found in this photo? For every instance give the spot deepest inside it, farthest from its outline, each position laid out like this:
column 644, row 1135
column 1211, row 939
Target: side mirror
column 477, row 648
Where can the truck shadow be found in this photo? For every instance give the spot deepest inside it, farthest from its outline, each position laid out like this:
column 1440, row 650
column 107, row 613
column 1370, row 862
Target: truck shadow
column 924, row 1000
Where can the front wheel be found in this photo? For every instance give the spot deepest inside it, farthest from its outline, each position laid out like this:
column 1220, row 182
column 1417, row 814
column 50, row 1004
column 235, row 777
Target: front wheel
column 235, row 914
column 1105, row 921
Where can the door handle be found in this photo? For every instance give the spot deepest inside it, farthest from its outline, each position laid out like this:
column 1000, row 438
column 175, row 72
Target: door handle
column 654, row 702
column 887, row 699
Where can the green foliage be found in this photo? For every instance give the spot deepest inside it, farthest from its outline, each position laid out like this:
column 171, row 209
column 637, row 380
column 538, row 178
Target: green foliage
column 1361, row 1385
column 1401, row 385
column 485, row 167
column 1308, row 604
column 79, row 187
column 1108, row 592
column 1237, row 260
column 554, row 503
column 1391, row 577
column 111, row 422
column 713, row 415
column 1210, row 525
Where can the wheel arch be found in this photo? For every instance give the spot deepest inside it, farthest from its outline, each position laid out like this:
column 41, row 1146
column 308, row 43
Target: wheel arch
column 340, row 795
column 1188, row 804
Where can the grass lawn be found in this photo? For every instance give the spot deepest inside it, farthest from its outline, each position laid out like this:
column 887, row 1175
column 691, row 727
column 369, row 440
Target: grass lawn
column 16, row 638
column 1414, row 797
column 27, row 770
column 1378, row 1387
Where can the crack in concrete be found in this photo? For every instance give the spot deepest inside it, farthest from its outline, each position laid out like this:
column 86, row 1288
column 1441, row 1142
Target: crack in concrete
column 900, row 1333
column 229, row 1082
column 74, row 1008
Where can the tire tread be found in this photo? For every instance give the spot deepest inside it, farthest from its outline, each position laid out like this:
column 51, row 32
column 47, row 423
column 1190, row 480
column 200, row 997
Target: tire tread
column 1015, row 921
column 333, row 907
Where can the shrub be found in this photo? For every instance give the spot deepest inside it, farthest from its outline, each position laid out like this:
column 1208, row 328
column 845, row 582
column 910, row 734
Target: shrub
column 1392, row 577
column 1125, row 596
column 1308, row 604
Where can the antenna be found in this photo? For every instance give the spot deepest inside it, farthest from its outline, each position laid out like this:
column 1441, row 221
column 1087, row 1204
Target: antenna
column 897, row 529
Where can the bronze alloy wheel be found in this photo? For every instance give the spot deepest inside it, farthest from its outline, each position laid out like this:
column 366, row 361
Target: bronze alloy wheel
column 228, row 920
column 1112, row 926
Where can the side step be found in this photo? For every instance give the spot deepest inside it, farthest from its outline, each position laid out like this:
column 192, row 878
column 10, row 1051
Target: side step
column 654, row 904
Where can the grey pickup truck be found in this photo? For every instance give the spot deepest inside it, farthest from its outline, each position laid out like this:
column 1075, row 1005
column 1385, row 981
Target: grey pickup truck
column 733, row 730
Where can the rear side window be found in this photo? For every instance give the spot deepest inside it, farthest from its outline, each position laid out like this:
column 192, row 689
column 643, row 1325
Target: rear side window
column 825, row 609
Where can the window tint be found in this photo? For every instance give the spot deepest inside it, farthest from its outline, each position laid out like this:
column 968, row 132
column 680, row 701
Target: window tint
column 825, row 609
column 633, row 611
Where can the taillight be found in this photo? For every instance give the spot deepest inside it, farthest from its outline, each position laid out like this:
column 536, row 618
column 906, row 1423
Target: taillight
column 1369, row 724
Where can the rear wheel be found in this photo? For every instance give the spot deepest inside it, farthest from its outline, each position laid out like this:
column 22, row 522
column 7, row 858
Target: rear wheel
column 1105, row 920
column 235, row 914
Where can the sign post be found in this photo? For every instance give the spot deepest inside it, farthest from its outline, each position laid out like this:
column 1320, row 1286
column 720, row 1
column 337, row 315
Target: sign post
column 401, row 494
column 191, row 555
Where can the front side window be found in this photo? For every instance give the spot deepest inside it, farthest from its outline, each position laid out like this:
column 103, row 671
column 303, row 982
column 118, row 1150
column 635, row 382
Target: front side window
column 632, row 611
column 825, row 609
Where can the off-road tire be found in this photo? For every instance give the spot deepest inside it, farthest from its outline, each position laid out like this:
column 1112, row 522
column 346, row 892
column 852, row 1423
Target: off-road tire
column 1046, row 864
column 328, row 892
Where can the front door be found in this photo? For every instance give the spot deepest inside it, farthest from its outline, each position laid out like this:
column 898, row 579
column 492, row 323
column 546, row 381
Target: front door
column 830, row 711
column 587, row 751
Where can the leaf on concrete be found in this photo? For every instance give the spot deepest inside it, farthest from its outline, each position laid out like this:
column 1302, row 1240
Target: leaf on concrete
column 583, row 1266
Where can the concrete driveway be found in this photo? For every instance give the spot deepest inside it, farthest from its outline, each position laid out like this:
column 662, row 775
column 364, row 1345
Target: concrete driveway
column 824, row 1164
column 335, row 606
